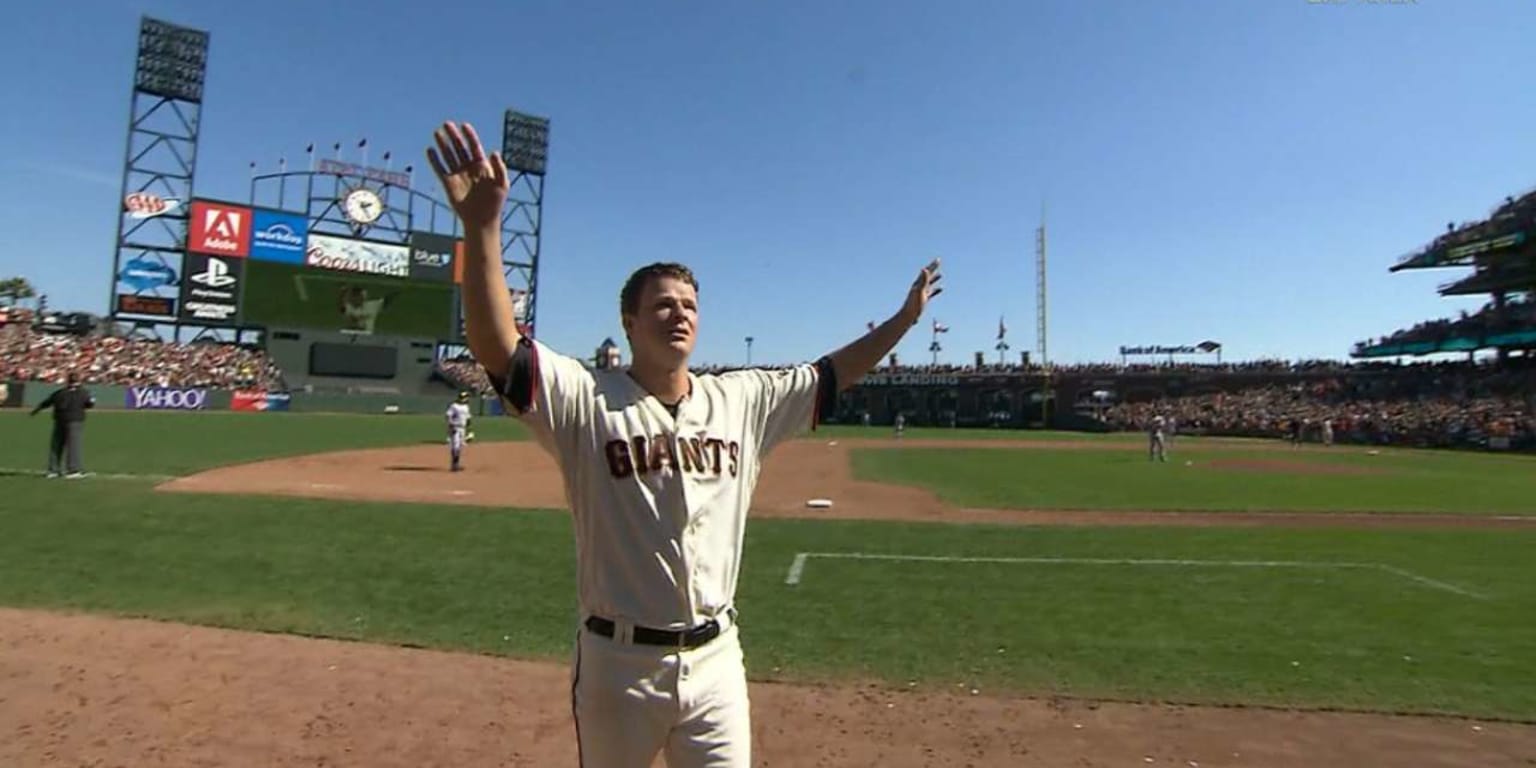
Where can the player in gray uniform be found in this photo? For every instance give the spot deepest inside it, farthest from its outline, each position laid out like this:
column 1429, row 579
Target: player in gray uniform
column 1157, row 447
column 458, row 418
column 659, row 465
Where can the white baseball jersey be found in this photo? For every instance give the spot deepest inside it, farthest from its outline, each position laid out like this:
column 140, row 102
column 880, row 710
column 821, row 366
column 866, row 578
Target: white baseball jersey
column 660, row 502
column 458, row 416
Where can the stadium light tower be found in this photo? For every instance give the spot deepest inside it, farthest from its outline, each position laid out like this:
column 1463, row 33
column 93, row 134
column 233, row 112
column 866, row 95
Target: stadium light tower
column 525, row 148
column 1040, row 320
column 164, row 116
column 1040, row 289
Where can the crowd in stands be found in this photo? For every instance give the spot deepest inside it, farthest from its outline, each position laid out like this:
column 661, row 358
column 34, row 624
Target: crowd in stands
column 1514, row 316
column 1443, row 405
column 27, row 355
column 464, row 373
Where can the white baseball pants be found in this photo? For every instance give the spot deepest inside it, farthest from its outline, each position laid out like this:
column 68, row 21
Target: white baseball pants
column 633, row 701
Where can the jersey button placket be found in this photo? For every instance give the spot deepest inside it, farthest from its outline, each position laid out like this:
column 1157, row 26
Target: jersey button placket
column 681, row 426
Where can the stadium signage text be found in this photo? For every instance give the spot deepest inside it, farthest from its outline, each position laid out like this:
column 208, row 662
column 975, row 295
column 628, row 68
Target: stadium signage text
column 1204, row 347
column 278, row 236
column 1158, row 349
column 362, row 256
column 352, row 169
column 910, row 380
column 1482, row 246
column 163, row 398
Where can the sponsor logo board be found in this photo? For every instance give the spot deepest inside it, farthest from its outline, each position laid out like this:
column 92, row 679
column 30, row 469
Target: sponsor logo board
column 211, row 290
column 432, row 257
column 365, row 256
column 219, row 229
column 278, row 236
column 166, row 398
column 144, row 205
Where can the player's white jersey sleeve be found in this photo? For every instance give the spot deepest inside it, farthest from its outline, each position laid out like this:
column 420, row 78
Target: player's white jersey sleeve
column 781, row 403
column 551, row 393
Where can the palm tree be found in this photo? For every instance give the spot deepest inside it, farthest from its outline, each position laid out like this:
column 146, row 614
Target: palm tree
column 14, row 289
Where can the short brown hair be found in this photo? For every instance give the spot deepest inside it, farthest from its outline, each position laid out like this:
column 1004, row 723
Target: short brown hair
column 629, row 298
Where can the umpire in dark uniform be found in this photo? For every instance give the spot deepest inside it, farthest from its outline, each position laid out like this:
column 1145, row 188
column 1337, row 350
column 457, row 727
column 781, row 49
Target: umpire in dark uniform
column 69, row 406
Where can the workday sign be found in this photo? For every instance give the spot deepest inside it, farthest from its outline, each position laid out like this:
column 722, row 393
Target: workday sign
column 166, row 399
column 277, row 236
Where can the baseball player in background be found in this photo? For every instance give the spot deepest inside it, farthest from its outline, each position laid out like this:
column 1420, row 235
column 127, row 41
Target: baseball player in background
column 901, row 424
column 659, row 466
column 458, row 425
column 1157, row 445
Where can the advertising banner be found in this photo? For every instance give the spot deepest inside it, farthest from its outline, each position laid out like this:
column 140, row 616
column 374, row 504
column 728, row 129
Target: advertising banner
column 278, row 236
column 147, row 205
column 259, row 400
column 150, row 306
column 147, row 285
column 166, row 398
column 432, row 257
column 241, row 400
column 365, row 256
column 220, row 229
column 1462, row 254
column 211, row 291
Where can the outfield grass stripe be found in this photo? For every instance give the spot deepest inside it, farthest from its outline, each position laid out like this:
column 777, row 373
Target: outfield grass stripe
column 797, row 567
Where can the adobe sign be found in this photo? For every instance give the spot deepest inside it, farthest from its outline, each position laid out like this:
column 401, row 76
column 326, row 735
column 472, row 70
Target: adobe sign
column 219, row 229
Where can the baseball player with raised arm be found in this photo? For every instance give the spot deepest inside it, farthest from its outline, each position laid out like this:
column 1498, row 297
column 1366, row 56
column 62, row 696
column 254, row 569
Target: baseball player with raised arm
column 659, row 466
column 457, row 416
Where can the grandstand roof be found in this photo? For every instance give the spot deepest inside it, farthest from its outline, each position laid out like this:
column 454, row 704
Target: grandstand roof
column 1465, row 246
column 1518, row 278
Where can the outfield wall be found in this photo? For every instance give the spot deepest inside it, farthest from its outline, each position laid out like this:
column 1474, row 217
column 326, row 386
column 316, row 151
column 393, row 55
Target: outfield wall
column 116, row 398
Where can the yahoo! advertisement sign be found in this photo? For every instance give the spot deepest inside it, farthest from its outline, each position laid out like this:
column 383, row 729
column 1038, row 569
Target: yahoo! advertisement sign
column 166, row 399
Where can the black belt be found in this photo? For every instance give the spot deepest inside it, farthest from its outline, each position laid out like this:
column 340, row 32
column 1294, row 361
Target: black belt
column 675, row 638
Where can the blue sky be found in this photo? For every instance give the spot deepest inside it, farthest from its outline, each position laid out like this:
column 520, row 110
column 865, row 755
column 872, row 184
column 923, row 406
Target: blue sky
column 1240, row 171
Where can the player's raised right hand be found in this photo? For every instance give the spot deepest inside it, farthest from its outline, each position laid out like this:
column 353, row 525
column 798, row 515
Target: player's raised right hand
column 476, row 185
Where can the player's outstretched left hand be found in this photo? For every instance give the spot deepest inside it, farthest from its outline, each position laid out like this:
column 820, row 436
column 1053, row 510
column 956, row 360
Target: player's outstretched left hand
column 925, row 287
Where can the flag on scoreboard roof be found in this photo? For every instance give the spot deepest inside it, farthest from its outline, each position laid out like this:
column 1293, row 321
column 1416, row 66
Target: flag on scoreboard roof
column 1002, row 330
column 940, row 327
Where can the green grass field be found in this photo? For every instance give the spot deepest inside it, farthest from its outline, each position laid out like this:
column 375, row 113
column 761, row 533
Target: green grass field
column 1398, row 481
column 1395, row 620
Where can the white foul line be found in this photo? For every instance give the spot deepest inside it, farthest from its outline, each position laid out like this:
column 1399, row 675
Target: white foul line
column 15, row 472
column 797, row 567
